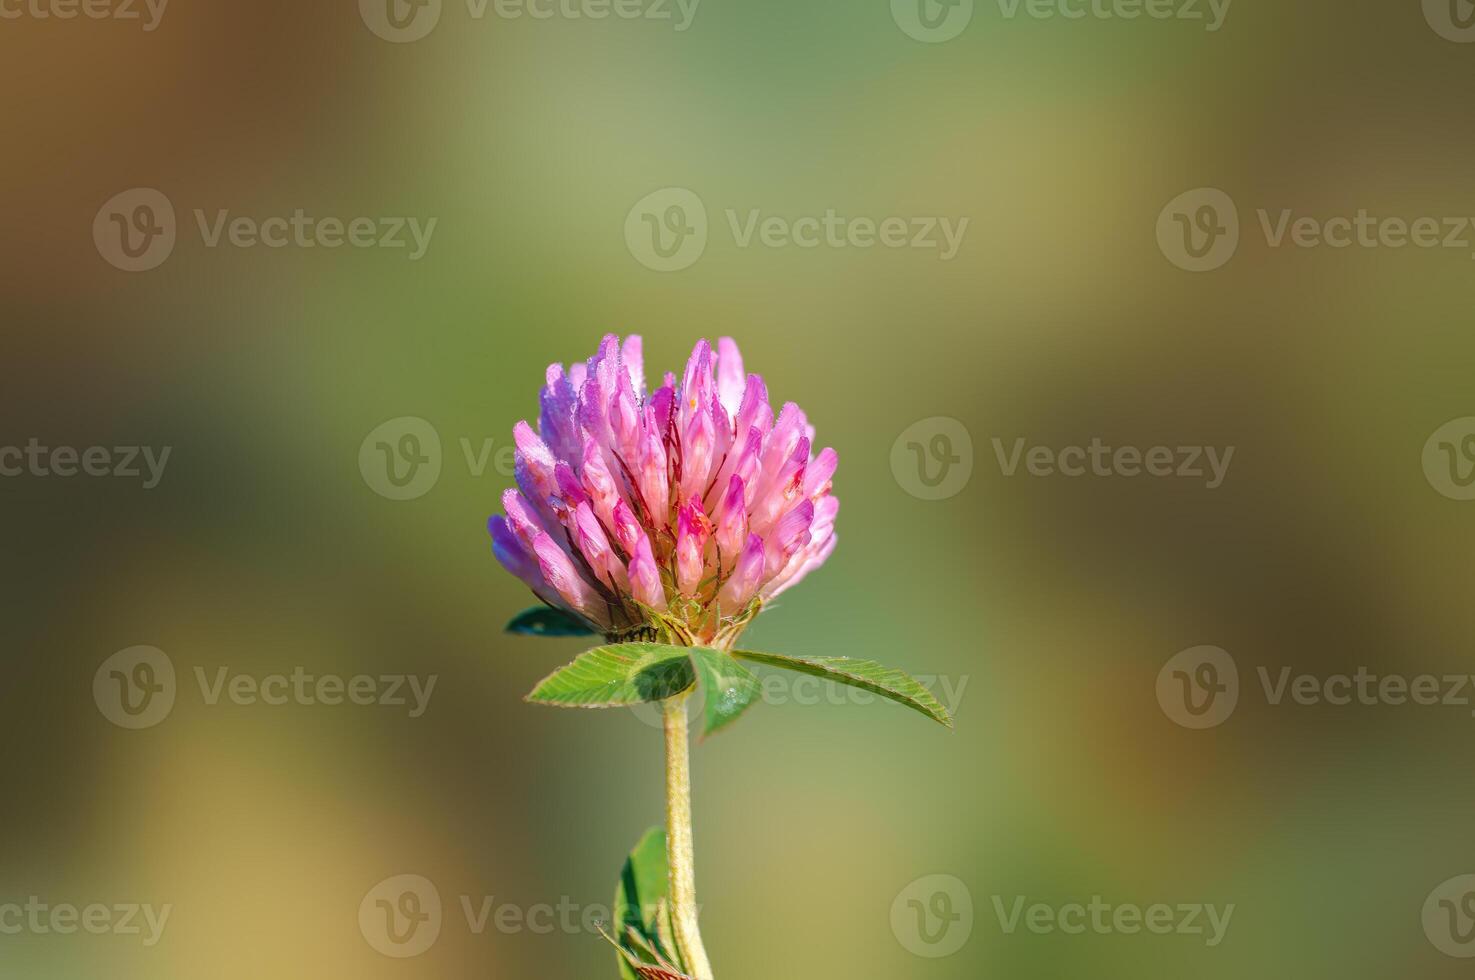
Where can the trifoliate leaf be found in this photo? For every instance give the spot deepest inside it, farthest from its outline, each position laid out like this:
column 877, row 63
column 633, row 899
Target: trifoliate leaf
column 867, row 675
column 618, row 674
column 728, row 688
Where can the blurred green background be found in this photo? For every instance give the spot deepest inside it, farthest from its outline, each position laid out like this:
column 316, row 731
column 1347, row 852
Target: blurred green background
column 1051, row 602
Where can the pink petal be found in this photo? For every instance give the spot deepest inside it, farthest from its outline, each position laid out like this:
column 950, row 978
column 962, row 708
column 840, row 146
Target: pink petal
column 556, row 421
column 788, row 537
column 697, row 446
column 730, row 377
column 597, row 551
column 645, row 578
column 742, row 584
column 732, row 523
column 632, row 356
column 819, row 472
column 560, row 572
column 691, row 546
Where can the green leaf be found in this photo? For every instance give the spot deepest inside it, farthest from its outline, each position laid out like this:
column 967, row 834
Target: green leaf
column 867, row 675
column 547, row 621
column 618, row 674
column 642, row 915
column 728, row 687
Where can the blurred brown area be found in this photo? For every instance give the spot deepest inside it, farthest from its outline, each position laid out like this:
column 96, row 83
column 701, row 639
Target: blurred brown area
column 1049, row 604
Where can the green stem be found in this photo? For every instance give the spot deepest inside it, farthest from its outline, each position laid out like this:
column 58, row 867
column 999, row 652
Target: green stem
column 679, row 851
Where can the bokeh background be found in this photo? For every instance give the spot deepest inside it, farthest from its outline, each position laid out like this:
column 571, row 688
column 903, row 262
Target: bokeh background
column 1051, row 602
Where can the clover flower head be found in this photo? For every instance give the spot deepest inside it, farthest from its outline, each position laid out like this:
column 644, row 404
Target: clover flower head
column 677, row 512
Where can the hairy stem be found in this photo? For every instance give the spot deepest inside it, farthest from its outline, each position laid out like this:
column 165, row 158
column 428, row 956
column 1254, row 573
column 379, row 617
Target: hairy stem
column 679, row 857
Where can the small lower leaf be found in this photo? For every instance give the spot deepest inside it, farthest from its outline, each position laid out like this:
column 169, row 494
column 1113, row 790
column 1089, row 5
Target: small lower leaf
column 633, row 967
column 547, row 621
column 618, row 674
column 867, row 675
column 641, row 910
column 728, row 688
column 648, row 972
